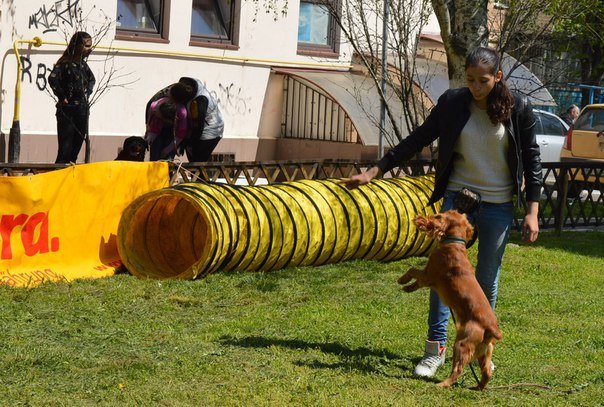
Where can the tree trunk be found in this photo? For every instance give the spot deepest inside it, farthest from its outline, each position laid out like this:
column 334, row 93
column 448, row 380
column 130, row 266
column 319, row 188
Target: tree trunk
column 463, row 26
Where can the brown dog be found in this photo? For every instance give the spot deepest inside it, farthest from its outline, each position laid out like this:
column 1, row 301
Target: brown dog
column 451, row 275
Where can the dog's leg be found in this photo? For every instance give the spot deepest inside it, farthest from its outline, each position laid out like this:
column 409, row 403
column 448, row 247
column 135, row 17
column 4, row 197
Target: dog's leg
column 462, row 355
column 484, row 360
column 412, row 273
column 409, row 275
column 412, row 287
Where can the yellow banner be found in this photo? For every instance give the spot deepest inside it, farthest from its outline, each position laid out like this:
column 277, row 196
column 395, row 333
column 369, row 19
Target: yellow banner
column 62, row 225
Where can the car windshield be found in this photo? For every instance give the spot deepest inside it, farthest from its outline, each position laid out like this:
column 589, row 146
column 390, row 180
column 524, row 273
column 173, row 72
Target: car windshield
column 591, row 119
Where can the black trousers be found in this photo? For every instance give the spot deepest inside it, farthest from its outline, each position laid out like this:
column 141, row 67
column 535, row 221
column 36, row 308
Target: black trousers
column 200, row 150
column 72, row 129
column 163, row 140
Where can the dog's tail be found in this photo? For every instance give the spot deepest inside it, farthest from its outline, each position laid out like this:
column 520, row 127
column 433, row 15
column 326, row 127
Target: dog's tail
column 492, row 333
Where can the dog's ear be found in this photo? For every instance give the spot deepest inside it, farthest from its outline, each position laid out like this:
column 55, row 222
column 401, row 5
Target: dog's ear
column 421, row 222
column 434, row 225
column 425, row 224
column 439, row 225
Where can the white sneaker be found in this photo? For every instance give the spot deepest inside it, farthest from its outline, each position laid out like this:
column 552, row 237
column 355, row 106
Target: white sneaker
column 434, row 357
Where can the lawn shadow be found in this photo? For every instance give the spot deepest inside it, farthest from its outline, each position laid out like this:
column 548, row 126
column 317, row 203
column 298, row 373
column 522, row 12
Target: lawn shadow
column 370, row 361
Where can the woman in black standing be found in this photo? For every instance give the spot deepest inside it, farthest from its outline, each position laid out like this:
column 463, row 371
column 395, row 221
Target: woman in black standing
column 72, row 82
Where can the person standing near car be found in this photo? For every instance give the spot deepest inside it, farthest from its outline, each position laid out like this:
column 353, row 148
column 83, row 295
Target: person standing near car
column 487, row 145
column 72, row 82
column 570, row 115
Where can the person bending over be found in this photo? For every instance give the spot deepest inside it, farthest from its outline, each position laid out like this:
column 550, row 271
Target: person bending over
column 167, row 123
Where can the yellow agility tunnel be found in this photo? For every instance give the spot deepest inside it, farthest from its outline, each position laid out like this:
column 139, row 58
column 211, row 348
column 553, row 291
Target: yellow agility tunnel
column 190, row 230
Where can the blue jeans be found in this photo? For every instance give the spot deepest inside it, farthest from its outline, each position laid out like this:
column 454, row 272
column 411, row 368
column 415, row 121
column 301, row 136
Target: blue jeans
column 494, row 222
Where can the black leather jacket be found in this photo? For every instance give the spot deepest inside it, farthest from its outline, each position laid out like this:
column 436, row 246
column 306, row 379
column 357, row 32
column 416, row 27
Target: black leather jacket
column 72, row 81
column 445, row 122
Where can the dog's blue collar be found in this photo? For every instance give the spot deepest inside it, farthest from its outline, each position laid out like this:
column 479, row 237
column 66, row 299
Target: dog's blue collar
column 453, row 239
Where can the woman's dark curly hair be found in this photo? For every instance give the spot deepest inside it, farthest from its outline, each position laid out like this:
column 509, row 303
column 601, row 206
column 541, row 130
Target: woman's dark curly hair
column 500, row 101
column 73, row 48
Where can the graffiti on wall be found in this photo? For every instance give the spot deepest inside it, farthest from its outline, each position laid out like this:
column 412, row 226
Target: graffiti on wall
column 9, row 29
column 37, row 74
column 231, row 99
column 60, row 12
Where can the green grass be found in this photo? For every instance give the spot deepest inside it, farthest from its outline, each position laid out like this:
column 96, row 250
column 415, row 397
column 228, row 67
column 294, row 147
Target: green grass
column 338, row 335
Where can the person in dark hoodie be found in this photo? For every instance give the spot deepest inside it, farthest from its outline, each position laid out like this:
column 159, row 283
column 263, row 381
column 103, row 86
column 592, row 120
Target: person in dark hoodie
column 72, row 82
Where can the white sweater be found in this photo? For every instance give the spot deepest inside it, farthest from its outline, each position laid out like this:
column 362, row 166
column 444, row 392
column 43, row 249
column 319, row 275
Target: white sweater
column 480, row 159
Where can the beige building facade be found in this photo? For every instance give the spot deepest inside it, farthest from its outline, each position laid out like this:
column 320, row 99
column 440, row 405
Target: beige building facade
column 234, row 47
column 282, row 73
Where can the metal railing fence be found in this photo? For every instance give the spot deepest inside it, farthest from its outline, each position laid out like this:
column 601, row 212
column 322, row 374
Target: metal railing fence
column 572, row 195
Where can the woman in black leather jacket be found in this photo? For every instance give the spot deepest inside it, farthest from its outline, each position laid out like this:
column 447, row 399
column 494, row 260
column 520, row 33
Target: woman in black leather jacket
column 487, row 144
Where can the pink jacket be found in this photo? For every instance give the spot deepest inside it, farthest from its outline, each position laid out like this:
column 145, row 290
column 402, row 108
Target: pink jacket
column 156, row 123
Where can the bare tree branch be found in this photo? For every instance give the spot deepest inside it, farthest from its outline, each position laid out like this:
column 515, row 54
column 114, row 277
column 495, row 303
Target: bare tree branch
column 361, row 24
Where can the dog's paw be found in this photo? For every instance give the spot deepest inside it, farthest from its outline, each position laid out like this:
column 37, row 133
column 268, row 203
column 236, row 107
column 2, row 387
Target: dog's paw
column 404, row 279
column 411, row 287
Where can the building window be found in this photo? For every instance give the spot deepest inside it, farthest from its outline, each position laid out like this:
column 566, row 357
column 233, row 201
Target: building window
column 145, row 20
column 318, row 32
column 214, row 23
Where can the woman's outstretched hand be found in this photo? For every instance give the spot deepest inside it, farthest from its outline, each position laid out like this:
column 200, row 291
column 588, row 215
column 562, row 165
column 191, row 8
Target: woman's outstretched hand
column 360, row 179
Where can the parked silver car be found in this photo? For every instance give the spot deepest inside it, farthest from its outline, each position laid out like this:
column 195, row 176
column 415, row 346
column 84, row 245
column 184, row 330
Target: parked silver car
column 550, row 132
